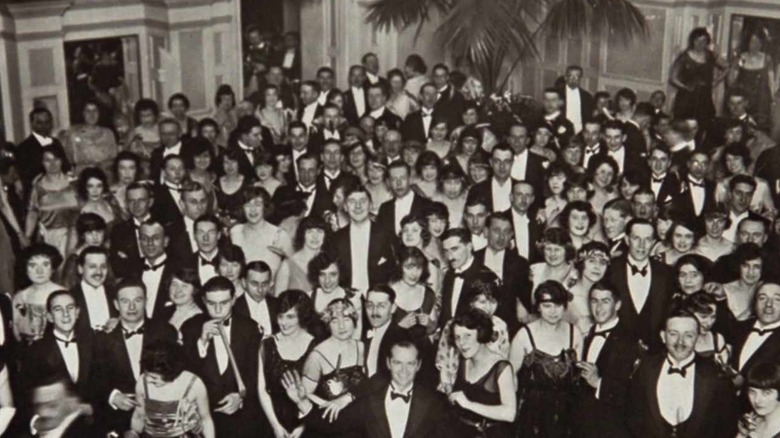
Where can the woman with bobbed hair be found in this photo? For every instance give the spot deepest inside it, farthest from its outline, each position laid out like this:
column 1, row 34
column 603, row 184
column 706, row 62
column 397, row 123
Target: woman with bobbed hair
column 692, row 273
column 468, row 144
column 680, row 240
column 578, row 218
column 184, row 292
column 41, row 261
column 416, row 302
column 91, row 230
column 310, row 237
column 231, row 263
column 712, row 244
column 259, row 239
column 415, row 234
column 736, row 159
column 439, row 142
column 285, row 351
column 559, row 254
column 452, row 192
column 225, row 113
column 763, row 391
column 170, row 400
column 127, row 170
column 483, row 392
column 545, row 353
column 400, row 102
column 603, row 173
column 741, row 292
column 592, row 262
column 428, row 168
column 334, row 371
column 95, row 196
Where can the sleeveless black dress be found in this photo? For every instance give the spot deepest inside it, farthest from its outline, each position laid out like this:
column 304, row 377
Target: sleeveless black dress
column 274, row 367
column 484, row 391
column 547, row 384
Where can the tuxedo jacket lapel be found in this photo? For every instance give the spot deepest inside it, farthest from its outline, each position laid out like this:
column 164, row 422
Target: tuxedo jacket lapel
column 701, row 398
column 417, row 411
column 768, row 350
column 652, row 390
column 377, row 408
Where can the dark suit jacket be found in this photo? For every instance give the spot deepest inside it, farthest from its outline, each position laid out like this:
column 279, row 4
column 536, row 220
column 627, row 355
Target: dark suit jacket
column 385, row 218
column 322, row 200
column 670, row 188
column 515, row 286
column 714, row 408
column 535, row 232
column 683, row 201
column 645, row 325
column 84, row 323
column 156, row 161
column 350, row 106
column 245, row 167
column 317, row 112
column 451, row 104
column 322, row 180
column 43, row 360
column 769, row 351
column 244, row 343
column 381, row 255
column 241, row 308
column 165, row 207
column 123, row 254
column 474, row 271
column 413, row 127
column 387, row 117
column 535, row 174
column 587, row 104
column 171, row 266
column 29, row 161
column 484, row 190
column 393, row 334
column 633, row 160
column 428, row 417
column 616, row 363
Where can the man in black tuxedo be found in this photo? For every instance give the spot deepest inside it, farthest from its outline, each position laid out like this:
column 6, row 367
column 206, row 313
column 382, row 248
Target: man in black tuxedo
column 371, row 63
column 326, row 77
column 377, row 98
column 628, row 158
column 456, row 290
column 509, row 267
column 125, row 252
column 118, row 356
column 741, row 190
column 298, row 136
column 332, row 175
column 167, row 193
column 249, row 139
column 676, row 393
column 527, row 230
column 496, row 191
column 450, row 101
column 757, row 340
column 578, row 104
column 318, row 200
column 29, row 153
column 171, row 144
column 232, row 397
column 356, row 98
column 644, row 285
column 333, row 127
column 617, row 213
column 364, row 248
column 405, row 201
column 63, row 351
column 554, row 117
column 399, row 408
column 157, row 269
column 259, row 303
column 417, row 125
column 309, row 108
column 664, row 184
column 643, row 204
column 593, row 139
column 749, row 230
column 696, row 194
column 206, row 258
column 193, row 204
column 610, row 356
column 526, row 165
column 93, row 297
column 391, row 147
column 381, row 332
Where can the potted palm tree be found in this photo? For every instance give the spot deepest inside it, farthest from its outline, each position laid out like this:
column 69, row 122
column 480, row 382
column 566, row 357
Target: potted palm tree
column 492, row 37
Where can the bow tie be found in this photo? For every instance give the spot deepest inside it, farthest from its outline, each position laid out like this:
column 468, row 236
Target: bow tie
column 204, row 262
column 461, row 275
column 301, row 189
column 763, row 332
column 694, row 183
column 174, row 188
column 226, row 322
column 681, row 371
column 405, row 397
column 635, row 270
column 427, row 113
column 658, row 180
column 592, row 150
column 603, row 333
column 130, row 333
column 148, row 267
column 66, row 341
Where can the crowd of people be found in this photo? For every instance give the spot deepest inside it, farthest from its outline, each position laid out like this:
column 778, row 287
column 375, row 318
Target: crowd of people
column 401, row 258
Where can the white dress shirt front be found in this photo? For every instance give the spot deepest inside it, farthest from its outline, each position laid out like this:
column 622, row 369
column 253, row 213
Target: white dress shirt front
column 427, row 117
column 574, row 108
column 675, row 392
column 259, row 312
column 70, row 354
column 501, row 194
column 97, row 304
column 372, row 361
column 359, row 236
column 206, row 271
column 620, row 157
column 403, row 206
column 151, row 279
column 754, row 341
column 457, row 285
column 360, row 100
column 520, row 166
column 220, row 352
column 397, row 411
column 308, row 113
column 697, row 195
column 638, row 285
column 598, row 341
column 495, row 261
column 730, row 233
column 521, row 224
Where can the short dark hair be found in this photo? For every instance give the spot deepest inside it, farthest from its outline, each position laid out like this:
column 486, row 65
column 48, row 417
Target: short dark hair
column 746, row 252
column 250, row 193
column 298, row 300
column 246, row 124
column 142, row 105
column 603, row 285
column 233, row 254
column 164, row 357
column 306, row 224
column 559, row 236
column 628, row 94
column 190, row 276
column 701, row 302
column 417, row 63
column 383, row 289
column 126, row 156
column 681, row 312
column 742, row 179
column 425, row 234
column 90, row 250
column 551, row 291
column 41, row 249
column 258, row 266
column 219, row 284
column 460, row 233
column 583, row 206
column 179, row 96
column 474, row 319
column 319, row 263
column 127, row 283
column 88, row 222
column 764, row 375
column 56, row 294
column 415, row 255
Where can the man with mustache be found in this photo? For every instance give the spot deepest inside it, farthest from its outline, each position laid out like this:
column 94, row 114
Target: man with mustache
column 92, row 295
column 757, row 339
column 676, row 393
